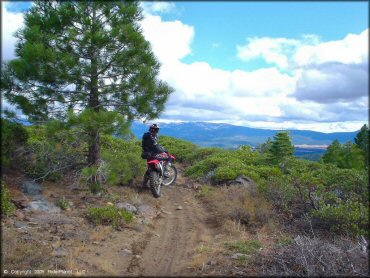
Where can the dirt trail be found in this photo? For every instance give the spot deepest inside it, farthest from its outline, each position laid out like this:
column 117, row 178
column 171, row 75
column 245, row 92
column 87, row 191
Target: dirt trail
column 167, row 245
column 177, row 233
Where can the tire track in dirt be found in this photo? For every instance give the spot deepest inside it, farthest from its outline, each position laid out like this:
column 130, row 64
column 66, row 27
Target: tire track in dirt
column 168, row 249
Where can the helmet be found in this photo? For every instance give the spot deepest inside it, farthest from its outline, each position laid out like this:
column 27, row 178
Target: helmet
column 154, row 128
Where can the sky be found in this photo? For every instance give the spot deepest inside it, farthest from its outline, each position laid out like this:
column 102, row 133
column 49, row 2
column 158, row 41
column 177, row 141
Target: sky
column 276, row 65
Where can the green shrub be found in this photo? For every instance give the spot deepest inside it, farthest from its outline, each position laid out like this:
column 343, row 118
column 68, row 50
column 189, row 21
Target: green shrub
column 249, row 247
column 266, row 172
column 285, row 240
column 63, row 203
column 123, row 160
column 350, row 217
column 201, row 153
column 13, row 135
column 181, row 149
column 7, row 207
column 205, row 191
column 109, row 215
column 52, row 150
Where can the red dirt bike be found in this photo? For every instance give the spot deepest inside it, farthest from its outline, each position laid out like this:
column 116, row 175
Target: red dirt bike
column 160, row 172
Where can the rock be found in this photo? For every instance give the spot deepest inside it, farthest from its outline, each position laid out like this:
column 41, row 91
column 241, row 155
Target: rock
column 209, row 177
column 110, row 204
column 127, row 207
column 125, row 252
column 54, row 219
column 246, row 182
column 56, row 244
column 237, row 256
column 18, row 198
column 20, row 225
column 31, row 188
column 138, row 228
column 147, row 211
column 19, row 214
column 145, row 221
column 42, row 205
column 137, row 256
column 79, row 235
column 60, row 252
column 165, row 212
column 179, row 208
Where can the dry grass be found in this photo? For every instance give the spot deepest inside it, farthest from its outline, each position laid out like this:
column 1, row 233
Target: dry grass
column 101, row 233
column 315, row 257
column 21, row 253
column 248, row 211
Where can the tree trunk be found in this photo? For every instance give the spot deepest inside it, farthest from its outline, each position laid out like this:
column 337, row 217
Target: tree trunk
column 94, row 142
column 94, row 148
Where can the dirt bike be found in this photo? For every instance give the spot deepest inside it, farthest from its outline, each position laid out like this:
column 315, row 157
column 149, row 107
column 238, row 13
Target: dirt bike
column 160, row 173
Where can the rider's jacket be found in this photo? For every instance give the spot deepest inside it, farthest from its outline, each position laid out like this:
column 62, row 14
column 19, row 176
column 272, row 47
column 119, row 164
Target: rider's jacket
column 150, row 144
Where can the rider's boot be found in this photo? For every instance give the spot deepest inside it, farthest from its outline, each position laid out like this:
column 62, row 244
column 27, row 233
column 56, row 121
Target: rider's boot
column 145, row 182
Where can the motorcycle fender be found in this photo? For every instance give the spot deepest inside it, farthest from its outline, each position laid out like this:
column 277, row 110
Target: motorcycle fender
column 155, row 161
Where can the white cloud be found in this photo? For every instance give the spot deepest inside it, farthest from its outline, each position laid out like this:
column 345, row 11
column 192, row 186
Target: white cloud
column 272, row 50
column 266, row 96
column 170, row 40
column 353, row 49
column 10, row 22
column 156, row 7
column 262, row 82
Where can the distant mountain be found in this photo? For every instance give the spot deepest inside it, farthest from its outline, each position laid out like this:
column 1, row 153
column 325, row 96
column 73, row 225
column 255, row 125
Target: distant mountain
column 231, row 136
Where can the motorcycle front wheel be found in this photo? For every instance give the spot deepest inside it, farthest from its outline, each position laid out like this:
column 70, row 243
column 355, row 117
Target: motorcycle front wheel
column 172, row 171
column 155, row 183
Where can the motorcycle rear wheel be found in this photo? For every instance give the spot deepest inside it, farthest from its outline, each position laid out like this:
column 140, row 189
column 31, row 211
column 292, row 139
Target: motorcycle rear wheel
column 155, row 183
column 172, row 178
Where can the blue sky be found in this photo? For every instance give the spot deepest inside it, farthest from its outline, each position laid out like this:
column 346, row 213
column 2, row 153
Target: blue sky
column 283, row 65
column 220, row 26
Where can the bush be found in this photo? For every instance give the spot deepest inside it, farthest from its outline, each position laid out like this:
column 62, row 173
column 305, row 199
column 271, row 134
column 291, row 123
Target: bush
column 349, row 217
column 7, row 207
column 227, row 165
column 205, row 191
column 123, row 160
column 52, row 150
column 13, row 135
column 314, row 257
column 181, row 149
column 336, row 198
column 109, row 215
column 63, row 203
column 245, row 247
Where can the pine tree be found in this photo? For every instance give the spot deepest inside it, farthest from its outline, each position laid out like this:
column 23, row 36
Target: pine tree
column 265, row 147
column 281, row 147
column 352, row 157
column 362, row 141
column 333, row 153
column 84, row 56
column 346, row 156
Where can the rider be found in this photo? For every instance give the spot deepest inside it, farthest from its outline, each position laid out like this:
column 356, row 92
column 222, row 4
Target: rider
column 150, row 145
column 151, row 148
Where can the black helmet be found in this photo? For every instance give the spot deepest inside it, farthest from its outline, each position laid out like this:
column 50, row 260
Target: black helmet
column 154, row 128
